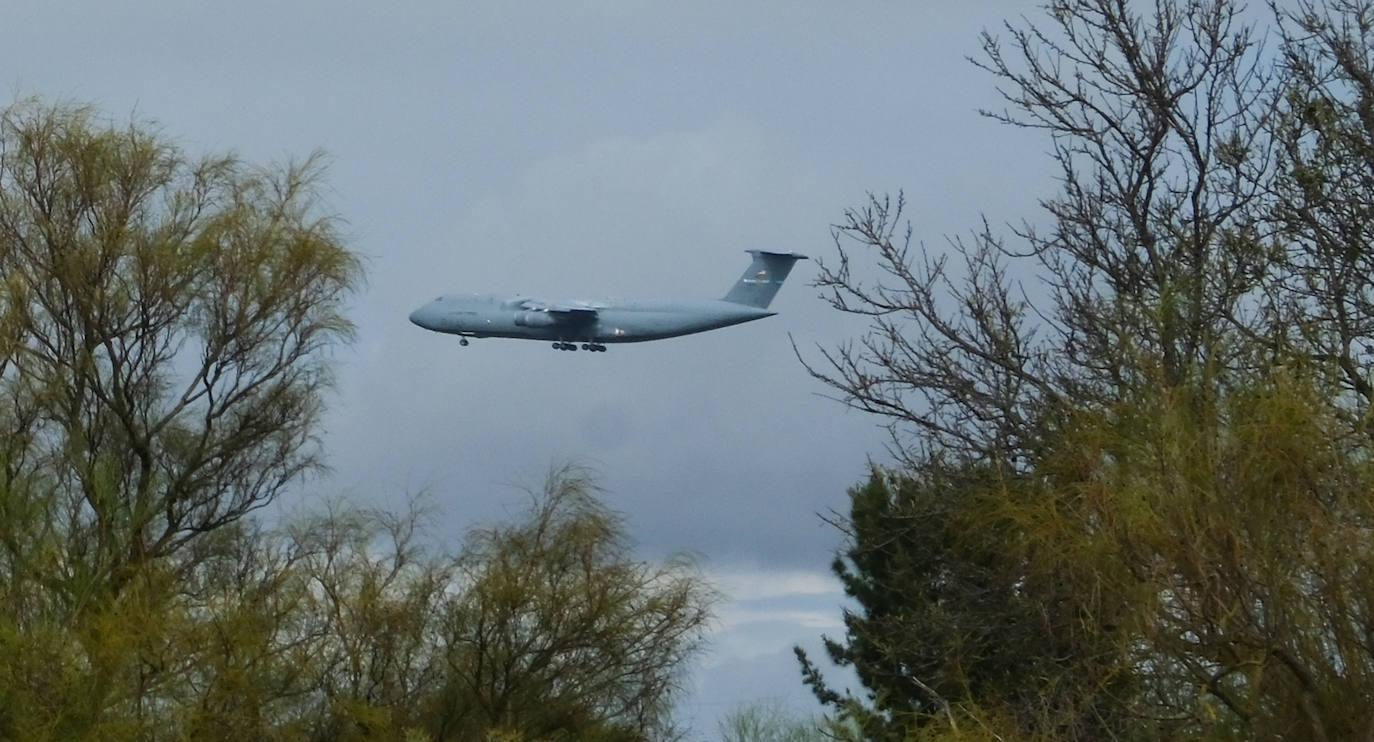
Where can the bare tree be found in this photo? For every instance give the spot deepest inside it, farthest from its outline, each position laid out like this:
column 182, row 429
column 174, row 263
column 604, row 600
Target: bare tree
column 1159, row 128
column 1321, row 303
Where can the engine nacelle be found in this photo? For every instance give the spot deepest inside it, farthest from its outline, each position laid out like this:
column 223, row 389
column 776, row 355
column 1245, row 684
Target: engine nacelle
column 533, row 319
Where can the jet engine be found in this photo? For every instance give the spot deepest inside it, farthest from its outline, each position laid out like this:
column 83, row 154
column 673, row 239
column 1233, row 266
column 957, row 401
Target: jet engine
column 533, row 319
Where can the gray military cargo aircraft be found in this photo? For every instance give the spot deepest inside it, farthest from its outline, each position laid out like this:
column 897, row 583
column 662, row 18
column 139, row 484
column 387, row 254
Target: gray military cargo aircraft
column 592, row 324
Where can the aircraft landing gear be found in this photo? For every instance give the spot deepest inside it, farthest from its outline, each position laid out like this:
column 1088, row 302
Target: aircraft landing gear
column 594, row 347
column 463, row 342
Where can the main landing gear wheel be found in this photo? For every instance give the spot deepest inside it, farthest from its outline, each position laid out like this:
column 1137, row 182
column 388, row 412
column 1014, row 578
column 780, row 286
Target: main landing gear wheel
column 463, row 342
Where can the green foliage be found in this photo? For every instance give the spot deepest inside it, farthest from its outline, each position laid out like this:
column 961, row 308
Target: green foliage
column 1181, row 566
column 948, row 613
column 342, row 626
column 1242, row 529
column 166, row 325
column 1133, row 504
column 561, row 630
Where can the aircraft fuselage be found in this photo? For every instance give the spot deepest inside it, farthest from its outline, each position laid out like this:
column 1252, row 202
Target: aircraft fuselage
column 593, row 324
column 478, row 315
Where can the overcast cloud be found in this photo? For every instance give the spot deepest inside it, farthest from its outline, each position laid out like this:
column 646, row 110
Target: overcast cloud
column 582, row 150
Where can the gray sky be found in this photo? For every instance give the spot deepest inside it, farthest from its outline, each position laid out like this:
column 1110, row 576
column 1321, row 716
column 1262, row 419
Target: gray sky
column 582, row 150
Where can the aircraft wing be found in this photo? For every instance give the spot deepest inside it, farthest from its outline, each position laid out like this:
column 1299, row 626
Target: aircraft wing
column 562, row 312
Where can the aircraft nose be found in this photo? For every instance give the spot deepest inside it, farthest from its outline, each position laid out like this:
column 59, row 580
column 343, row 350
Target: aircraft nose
column 424, row 316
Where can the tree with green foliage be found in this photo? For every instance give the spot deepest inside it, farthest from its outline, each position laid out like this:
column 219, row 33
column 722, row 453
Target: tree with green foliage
column 544, row 628
column 561, row 633
column 345, row 625
column 1131, row 504
column 166, row 327
column 164, row 341
column 948, row 613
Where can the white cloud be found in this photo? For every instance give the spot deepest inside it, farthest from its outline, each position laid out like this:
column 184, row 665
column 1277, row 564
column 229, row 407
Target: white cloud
column 762, row 584
column 768, row 611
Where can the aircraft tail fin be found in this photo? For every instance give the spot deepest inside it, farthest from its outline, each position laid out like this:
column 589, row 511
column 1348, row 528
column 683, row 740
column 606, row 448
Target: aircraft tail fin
column 763, row 278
